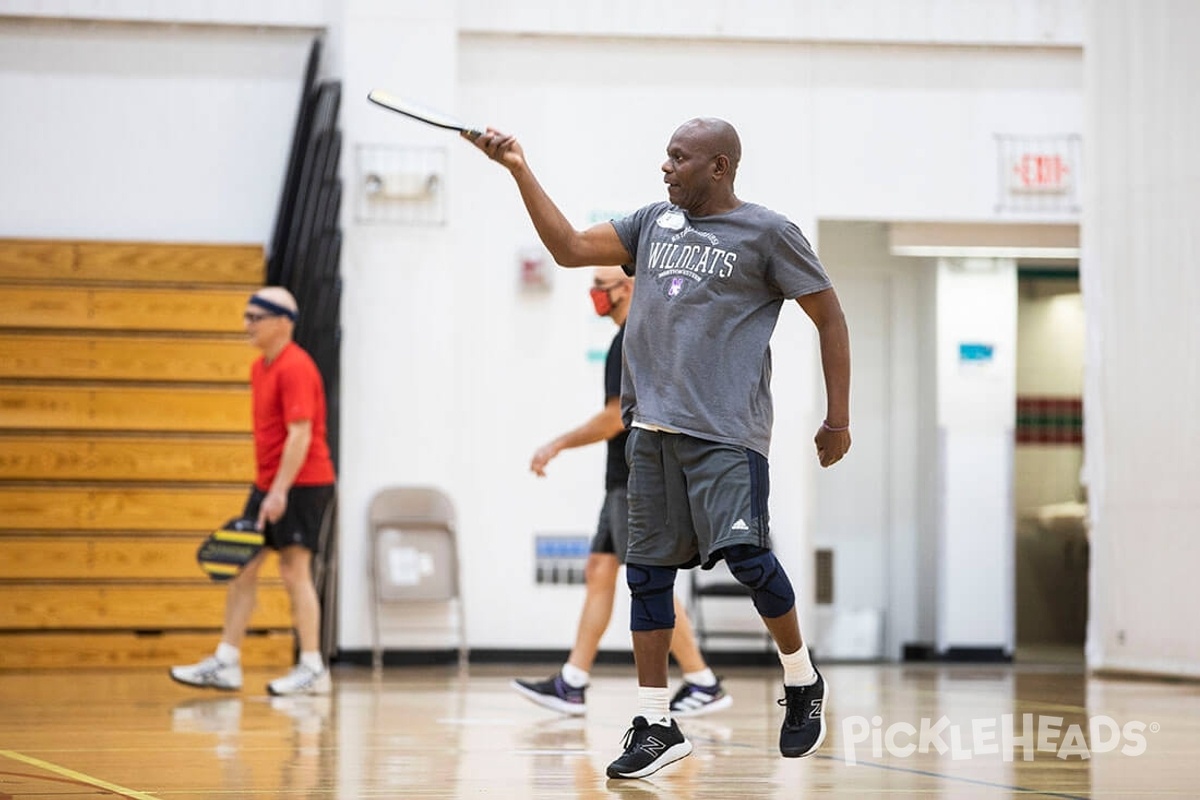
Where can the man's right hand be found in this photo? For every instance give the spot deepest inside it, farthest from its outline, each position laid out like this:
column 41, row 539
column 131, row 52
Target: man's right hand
column 501, row 147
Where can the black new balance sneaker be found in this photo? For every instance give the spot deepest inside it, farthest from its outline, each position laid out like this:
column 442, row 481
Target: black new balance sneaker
column 649, row 748
column 804, row 722
column 555, row 693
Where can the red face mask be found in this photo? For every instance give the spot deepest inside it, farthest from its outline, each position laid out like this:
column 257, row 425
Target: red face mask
column 602, row 300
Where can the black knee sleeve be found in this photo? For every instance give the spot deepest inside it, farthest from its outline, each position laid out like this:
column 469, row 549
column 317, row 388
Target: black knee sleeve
column 757, row 569
column 652, row 592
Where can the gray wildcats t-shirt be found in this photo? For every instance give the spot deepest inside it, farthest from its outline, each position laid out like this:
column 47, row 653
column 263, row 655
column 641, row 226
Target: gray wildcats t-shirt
column 705, row 303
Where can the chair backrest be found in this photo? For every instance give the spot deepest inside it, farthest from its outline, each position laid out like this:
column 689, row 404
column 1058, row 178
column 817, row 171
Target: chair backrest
column 412, row 504
column 414, row 544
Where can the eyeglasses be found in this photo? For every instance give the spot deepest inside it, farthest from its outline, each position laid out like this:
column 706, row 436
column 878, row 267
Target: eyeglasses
column 250, row 317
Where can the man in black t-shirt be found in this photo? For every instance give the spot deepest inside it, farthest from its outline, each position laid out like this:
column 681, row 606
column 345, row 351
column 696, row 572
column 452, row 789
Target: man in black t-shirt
column 701, row 692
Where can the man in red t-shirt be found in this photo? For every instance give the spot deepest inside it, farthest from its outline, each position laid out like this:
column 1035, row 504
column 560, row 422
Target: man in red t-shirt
column 293, row 490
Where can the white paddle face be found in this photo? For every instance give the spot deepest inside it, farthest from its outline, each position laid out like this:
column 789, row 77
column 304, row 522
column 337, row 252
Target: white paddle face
column 427, row 115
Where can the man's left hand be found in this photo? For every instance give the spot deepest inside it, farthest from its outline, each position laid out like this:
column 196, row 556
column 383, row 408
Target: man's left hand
column 831, row 445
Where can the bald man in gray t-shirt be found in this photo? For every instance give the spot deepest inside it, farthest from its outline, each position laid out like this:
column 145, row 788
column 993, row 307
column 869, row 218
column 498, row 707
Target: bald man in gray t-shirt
column 709, row 293
column 713, row 273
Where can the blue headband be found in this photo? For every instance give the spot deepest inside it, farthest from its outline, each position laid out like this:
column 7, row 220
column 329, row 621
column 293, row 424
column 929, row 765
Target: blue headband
column 274, row 308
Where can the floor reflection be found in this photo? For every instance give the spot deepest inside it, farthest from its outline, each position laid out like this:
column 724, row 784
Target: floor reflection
column 431, row 733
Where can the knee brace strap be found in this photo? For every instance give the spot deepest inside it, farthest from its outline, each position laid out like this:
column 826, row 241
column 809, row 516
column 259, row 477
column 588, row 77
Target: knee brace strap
column 757, row 569
column 652, row 591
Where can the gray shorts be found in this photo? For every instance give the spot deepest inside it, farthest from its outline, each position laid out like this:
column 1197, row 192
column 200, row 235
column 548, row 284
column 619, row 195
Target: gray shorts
column 612, row 531
column 689, row 498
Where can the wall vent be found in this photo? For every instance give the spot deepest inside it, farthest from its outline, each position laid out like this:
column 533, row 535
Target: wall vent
column 824, row 579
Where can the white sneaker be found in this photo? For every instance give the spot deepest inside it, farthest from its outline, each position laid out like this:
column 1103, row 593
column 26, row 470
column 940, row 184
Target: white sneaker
column 302, row 680
column 210, row 672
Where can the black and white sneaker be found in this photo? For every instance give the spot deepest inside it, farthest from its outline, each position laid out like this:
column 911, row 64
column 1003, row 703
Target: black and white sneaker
column 693, row 700
column 554, row 693
column 649, row 748
column 804, row 722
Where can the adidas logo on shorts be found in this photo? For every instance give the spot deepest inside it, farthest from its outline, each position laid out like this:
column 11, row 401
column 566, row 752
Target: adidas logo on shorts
column 740, row 525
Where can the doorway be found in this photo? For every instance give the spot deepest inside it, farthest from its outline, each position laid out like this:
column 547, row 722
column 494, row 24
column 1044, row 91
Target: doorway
column 1051, row 559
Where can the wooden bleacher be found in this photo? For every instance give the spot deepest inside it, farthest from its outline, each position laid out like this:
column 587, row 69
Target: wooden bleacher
column 124, row 439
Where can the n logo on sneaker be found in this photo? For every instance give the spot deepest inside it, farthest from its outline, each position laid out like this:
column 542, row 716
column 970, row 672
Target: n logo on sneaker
column 653, row 746
column 816, row 708
column 740, row 525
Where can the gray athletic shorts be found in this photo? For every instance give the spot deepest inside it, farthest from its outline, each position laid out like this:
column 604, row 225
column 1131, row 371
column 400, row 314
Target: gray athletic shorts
column 612, row 531
column 689, row 498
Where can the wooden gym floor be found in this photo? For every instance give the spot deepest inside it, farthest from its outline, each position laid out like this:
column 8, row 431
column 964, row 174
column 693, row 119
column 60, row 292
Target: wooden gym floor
column 431, row 733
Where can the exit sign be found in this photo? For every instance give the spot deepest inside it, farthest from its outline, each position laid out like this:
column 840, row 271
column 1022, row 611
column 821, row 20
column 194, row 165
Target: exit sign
column 1040, row 172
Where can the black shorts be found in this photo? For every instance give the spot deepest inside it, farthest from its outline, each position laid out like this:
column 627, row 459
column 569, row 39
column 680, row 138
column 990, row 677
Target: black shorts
column 612, row 530
column 301, row 521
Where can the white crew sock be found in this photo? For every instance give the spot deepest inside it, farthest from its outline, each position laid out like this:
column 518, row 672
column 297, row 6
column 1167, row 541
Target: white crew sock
column 228, row 654
column 313, row 661
column 575, row 677
column 655, row 704
column 703, row 678
column 797, row 668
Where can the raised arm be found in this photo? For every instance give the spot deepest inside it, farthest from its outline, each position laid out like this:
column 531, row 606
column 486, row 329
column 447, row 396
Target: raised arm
column 597, row 246
column 825, row 311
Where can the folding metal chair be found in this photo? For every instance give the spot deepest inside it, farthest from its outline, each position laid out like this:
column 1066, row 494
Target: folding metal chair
column 715, row 584
column 414, row 556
